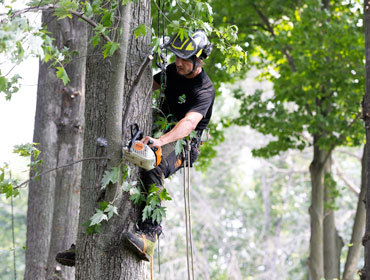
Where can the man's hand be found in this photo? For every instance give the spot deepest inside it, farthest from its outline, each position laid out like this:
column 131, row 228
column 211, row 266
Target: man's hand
column 151, row 142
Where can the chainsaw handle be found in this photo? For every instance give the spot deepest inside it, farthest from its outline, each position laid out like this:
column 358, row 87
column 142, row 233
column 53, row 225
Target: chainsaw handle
column 136, row 134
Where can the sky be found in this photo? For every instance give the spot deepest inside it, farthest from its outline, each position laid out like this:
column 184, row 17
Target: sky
column 17, row 116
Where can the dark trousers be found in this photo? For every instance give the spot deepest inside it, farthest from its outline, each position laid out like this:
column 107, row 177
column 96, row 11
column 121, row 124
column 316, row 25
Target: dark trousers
column 170, row 163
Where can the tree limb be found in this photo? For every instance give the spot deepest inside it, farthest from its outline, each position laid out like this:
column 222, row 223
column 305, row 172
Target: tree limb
column 270, row 29
column 58, row 167
column 346, row 181
column 53, row 7
column 139, row 74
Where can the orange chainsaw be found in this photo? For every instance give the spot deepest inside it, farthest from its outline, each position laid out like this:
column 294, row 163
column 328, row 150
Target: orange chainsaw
column 139, row 153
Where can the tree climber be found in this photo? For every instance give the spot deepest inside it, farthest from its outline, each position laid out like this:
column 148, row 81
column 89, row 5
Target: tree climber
column 189, row 96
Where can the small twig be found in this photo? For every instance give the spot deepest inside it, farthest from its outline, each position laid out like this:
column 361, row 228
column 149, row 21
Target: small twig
column 346, row 181
column 58, row 167
column 52, row 6
column 10, row 70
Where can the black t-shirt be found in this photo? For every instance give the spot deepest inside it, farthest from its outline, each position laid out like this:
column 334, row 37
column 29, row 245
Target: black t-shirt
column 185, row 95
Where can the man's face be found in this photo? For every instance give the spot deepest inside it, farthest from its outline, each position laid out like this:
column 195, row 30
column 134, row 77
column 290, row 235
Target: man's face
column 183, row 66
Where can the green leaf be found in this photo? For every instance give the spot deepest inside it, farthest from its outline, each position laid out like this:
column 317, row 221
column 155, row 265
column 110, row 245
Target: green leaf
column 111, row 210
column 193, row 134
column 62, row 74
column 159, row 214
column 103, row 205
column 164, row 195
column 179, row 146
column 147, row 212
column 98, row 217
column 109, row 48
column 126, row 170
column 111, row 176
column 140, row 31
column 26, row 150
column 107, row 19
column 183, row 34
column 92, row 229
column 153, row 188
column 136, row 196
column 153, row 201
column 3, row 83
column 95, row 40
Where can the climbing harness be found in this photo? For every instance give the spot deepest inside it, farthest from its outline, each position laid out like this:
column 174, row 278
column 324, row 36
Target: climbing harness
column 189, row 239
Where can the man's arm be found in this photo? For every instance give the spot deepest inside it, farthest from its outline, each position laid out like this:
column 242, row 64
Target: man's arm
column 182, row 129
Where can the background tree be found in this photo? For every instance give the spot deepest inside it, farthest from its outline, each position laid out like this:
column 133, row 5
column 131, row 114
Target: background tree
column 365, row 273
column 314, row 82
column 53, row 202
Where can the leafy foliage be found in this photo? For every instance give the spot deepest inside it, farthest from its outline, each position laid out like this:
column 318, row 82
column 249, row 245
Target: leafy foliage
column 314, row 58
column 185, row 17
column 29, row 150
column 152, row 199
column 111, row 176
column 7, row 183
column 104, row 212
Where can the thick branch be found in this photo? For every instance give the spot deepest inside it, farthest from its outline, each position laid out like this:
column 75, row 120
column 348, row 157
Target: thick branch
column 53, row 7
column 270, row 29
column 341, row 138
column 139, row 74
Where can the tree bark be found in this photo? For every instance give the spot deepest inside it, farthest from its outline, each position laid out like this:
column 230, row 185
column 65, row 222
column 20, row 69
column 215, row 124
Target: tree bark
column 70, row 140
column 316, row 210
column 333, row 243
column 103, row 255
column 58, row 130
column 365, row 274
column 354, row 251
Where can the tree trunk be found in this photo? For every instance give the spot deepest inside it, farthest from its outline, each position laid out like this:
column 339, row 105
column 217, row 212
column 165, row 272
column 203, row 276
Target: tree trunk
column 70, row 141
column 333, row 243
column 102, row 255
column 354, row 251
column 54, row 199
column 316, row 210
column 366, row 115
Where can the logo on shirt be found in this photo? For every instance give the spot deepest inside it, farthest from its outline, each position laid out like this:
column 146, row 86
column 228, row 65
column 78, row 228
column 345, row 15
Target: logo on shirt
column 182, row 99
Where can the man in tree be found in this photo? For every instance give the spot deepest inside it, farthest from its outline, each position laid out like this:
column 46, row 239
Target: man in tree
column 189, row 97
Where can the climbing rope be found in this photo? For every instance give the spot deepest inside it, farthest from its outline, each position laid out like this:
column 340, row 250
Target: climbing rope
column 161, row 58
column 13, row 235
column 189, row 239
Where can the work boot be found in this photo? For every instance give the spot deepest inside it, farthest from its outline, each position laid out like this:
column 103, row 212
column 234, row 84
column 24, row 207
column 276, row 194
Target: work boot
column 143, row 241
column 67, row 257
